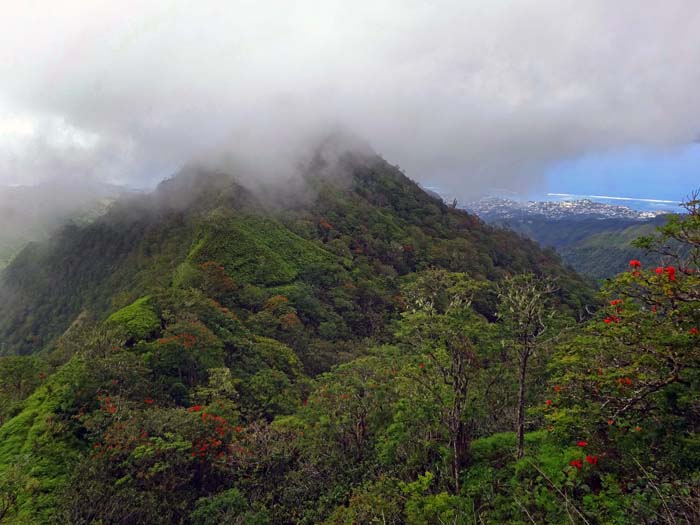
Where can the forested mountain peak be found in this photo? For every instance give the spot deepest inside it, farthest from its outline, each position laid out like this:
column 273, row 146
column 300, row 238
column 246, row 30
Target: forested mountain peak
column 350, row 210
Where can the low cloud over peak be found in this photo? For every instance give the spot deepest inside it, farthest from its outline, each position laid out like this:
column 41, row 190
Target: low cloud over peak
column 468, row 94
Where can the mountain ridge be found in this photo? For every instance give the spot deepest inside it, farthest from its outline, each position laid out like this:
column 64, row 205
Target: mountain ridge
column 366, row 215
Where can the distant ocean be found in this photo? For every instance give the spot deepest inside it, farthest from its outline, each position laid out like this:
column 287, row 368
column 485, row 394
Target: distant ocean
column 636, row 203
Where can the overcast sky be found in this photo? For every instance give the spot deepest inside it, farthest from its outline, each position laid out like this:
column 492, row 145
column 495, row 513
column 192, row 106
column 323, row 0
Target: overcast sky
column 467, row 94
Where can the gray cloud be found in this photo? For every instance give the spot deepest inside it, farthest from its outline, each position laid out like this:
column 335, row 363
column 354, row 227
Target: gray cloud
column 467, row 93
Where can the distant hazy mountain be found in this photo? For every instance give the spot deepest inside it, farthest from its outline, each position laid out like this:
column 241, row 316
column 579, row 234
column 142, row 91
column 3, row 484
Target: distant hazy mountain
column 31, row 213
column 592, row 237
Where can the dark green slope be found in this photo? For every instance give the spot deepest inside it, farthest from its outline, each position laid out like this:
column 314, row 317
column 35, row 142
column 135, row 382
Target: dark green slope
column 30, row 213
column 333, row 246
column 562, row 232
column 605, row 254
column 594, row 247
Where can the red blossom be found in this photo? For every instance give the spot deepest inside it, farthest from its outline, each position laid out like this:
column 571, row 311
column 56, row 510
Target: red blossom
column 548, row 402
column 668, row 270
column 107, row 404
column 195, row 408
column 634, row 263
column 615, row 302
column 582, row 443
column 557, row 388
column 576, row 463
column 421, row 365
column 148, row 401
column 592, row 460
column 693, row 331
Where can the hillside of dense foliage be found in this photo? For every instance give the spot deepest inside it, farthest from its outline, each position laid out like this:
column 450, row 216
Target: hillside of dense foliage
column 607, row 253
column 335, row 244
column 596, row 248
column 33, row 213
column 348, row 351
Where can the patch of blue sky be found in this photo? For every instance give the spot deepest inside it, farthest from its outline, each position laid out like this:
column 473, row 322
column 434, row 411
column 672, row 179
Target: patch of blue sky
column 637, row 177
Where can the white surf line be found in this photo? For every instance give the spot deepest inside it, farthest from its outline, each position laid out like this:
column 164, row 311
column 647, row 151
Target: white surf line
column 607, row 197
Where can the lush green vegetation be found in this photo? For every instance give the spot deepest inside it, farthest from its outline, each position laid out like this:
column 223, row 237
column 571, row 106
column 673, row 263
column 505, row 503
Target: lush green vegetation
column 594, row 247
column 359, row 354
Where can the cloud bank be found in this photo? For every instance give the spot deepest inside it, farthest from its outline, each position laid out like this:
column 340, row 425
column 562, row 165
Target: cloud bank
column 464, row 93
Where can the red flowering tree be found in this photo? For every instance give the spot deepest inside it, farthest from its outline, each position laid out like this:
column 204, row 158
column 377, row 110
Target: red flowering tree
column 630, row 378
column 164, row 458
column 216, row 283
column 183, row 356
